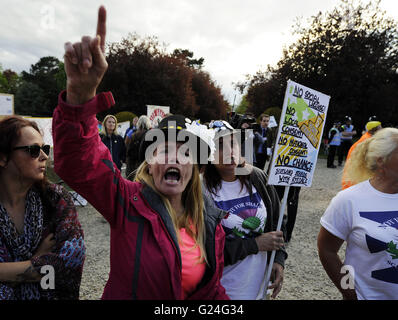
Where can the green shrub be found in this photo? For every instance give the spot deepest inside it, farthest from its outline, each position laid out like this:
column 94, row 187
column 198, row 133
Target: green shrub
column 124, row 116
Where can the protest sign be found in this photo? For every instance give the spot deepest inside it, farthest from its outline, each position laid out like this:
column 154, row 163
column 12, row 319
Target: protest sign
column 6, row 104
column 156, row 113
column 122, row 127
column 297, row 145
column 272, row 122
column 299, row 136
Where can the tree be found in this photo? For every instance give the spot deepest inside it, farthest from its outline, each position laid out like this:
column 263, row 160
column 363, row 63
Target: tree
column 29, row 100
column 208, row 97
column 243, row 106
column 3, row 83
column 187, row 55
column 274, row 111
column 48, row 77
column 142, row 73
column 349, row 53
column 9, row 81
column 124, row 116
column 13, row 81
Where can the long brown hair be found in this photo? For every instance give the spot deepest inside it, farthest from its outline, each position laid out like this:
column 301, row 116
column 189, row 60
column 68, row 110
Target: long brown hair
column 10, row 132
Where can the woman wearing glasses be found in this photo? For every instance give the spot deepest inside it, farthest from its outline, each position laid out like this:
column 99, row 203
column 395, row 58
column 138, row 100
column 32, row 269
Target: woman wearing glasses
column 41, row 241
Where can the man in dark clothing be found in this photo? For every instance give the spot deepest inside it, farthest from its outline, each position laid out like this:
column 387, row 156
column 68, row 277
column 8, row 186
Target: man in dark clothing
column 347, row 134
column 292, row 206
column 116, row 146
column 264, row 150
column 129, row 132
column 334, row 141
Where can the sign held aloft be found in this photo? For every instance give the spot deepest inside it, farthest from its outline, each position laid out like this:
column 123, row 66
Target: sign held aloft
column 6, row 104
column 156, row 114
column 299, row 136
column 297, row 144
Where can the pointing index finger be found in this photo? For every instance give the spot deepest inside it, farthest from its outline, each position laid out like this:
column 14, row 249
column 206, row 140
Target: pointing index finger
column 101, row 26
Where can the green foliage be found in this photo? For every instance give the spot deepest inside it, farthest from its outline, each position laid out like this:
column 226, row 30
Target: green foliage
column 274, row 111
column 349, row 53
column 187, row 56
column 142, row 73
column 29, row 100
column 13, row 80
column 3, row 83
column 124, row 116
column 47, row 79
column 243, row 106
column 9, row 81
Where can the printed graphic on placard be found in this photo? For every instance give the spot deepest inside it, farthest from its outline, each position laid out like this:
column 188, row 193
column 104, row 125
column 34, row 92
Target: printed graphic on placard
column 299, row 136
column 156, row 114
column 6, row 104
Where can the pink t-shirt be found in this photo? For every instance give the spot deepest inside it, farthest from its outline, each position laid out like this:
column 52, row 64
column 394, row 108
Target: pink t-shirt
column 192, row 268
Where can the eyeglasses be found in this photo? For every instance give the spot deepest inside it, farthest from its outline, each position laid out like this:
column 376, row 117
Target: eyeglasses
column 34, row 150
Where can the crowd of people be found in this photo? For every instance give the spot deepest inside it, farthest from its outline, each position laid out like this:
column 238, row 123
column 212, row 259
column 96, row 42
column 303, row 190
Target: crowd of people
column 184, row 224
column 340, row 139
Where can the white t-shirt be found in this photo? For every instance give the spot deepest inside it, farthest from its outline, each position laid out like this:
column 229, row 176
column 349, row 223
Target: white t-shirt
column 367, row 220
column 247, row 217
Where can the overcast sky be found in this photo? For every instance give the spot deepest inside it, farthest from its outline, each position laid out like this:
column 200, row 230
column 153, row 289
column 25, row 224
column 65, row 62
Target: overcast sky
column 235, row 37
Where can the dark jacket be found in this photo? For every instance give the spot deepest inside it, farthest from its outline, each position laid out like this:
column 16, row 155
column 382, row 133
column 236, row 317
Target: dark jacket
column 116, row 146
column 145, row 256
column 133, row 159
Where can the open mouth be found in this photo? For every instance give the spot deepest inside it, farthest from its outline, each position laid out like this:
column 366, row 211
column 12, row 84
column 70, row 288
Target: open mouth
column 172, row 175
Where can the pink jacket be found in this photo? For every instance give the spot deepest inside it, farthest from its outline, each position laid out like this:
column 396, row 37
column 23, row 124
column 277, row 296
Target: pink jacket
column 145, row 256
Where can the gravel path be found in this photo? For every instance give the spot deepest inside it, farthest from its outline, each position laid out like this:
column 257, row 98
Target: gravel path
column 305, row 278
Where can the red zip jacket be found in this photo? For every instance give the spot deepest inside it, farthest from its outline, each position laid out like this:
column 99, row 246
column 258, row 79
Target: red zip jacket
column 145, row 256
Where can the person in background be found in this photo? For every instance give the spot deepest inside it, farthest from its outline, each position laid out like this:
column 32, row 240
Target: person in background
column 371, row 128
column 39, row 226
column 113, row 141
column 253, row 208
column 264, row 150
column 249, row 139
column 348, row 132
column 130, row 131
column 133, row 148
column 166, row 239
column 365, row 216
column 292, row 208
column 371, row 118
column 334, row 141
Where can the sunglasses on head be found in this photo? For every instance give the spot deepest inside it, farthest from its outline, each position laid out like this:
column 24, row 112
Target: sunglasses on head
column 34, row 150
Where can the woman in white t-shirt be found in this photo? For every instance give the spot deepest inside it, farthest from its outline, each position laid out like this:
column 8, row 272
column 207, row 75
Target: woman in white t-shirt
column 366, row 217
column 253, row 209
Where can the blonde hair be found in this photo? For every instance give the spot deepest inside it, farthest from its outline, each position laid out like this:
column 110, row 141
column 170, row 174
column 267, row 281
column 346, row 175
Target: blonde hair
column 103, row 129
column 192, row 199
column 363, row 162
